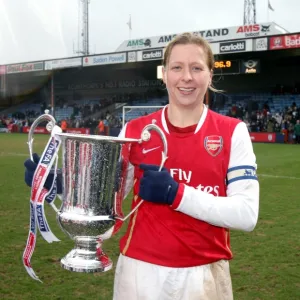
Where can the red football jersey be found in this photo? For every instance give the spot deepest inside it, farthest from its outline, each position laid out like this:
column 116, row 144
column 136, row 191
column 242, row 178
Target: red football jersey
column 198, row 158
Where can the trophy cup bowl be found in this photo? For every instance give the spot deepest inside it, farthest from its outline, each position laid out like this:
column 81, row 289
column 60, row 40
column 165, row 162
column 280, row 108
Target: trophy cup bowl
column 92, row 168
column 94, row 174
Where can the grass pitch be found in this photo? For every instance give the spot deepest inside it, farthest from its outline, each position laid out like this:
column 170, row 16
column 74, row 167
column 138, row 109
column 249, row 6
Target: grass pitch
column 266, row 262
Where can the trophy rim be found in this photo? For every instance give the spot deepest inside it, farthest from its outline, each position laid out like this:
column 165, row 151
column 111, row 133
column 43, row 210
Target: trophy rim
column 97, row 137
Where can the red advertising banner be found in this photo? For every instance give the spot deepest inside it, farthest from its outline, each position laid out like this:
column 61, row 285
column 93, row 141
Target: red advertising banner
column 36, row 130
column 79, row 130
column 263, row 137
column 11, row 127
column 284, row 42
column 69, row 130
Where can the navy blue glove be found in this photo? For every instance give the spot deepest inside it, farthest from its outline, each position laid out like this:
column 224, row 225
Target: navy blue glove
column 30, row 169
column 157, row 187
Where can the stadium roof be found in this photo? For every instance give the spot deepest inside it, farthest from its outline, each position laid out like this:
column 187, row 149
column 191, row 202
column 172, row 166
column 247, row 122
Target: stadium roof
column 212, row 35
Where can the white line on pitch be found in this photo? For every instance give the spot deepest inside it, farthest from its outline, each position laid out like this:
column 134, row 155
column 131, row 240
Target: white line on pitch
column 278, row 176
column 13, row 154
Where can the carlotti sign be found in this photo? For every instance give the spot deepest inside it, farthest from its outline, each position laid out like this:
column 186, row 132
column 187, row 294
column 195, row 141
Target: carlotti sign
column 150, row 55
column 105, row 59
column 284, row 42
column 27, row 67
column 238, row 46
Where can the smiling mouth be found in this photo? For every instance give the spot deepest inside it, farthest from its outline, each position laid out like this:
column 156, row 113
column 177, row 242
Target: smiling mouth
column 186, row 90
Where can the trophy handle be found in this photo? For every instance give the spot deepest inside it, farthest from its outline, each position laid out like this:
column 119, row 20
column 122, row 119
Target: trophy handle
column 145, row 137
column 50, row 125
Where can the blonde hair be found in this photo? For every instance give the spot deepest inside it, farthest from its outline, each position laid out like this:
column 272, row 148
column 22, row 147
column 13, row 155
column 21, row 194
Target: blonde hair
column 191, row 39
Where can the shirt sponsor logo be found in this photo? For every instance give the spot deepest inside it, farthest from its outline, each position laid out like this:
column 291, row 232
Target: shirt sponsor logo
column 182, row 175
column 186, row 176
column 213, row 144
column 209, row 189
column 233, row 46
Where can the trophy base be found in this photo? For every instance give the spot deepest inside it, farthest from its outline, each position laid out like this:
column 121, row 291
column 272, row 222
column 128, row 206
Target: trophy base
column 75, row 263
column 86, row 259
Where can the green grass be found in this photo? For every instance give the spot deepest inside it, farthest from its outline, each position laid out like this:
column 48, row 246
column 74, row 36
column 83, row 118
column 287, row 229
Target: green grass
column 266, row 262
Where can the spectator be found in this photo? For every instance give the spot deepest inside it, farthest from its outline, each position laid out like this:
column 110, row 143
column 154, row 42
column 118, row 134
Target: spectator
column 297, row 132
column 101, row 129
column 64, row 126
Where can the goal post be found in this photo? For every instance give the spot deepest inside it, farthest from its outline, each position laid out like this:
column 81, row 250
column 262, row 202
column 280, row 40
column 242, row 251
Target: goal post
column 133, row 112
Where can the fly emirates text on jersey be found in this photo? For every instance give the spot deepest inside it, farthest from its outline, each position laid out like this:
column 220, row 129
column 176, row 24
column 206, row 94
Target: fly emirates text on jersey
column 186, row 176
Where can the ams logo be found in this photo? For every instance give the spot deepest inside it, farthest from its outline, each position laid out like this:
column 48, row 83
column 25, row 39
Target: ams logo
column 248, row 28
column 253, row 30
column 139, row 43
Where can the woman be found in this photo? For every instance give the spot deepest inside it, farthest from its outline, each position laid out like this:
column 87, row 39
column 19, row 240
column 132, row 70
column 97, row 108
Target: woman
column 177, row 242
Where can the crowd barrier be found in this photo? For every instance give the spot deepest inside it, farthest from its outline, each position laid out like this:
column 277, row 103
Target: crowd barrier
column 268, row 137
column 43, row 130
column 263, row 137
column 256, row 137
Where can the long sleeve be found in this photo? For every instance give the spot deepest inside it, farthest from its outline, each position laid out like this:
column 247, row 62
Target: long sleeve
column 239, row 209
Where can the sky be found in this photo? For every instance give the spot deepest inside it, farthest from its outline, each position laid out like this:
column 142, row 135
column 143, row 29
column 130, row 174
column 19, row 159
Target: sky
column 33, row 30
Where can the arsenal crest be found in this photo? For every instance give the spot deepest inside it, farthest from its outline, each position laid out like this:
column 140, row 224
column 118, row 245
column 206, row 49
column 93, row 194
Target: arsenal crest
column 213, row 144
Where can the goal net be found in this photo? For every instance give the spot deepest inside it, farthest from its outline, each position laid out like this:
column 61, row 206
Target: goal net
column 133, row 112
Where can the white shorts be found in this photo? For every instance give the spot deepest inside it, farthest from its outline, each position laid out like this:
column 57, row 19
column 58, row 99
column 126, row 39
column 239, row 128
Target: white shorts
column 138, row 280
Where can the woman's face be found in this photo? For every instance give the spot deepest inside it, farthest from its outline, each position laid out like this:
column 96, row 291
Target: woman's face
column 187, row 75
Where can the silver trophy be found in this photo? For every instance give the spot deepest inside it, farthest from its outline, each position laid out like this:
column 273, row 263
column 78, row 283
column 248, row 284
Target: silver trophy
column 94, row 171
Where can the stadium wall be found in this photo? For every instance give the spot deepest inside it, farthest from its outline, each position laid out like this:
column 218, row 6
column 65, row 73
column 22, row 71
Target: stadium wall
column 256, row 137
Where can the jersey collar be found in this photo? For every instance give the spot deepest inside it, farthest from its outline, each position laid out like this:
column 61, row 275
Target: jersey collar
column 200, row 123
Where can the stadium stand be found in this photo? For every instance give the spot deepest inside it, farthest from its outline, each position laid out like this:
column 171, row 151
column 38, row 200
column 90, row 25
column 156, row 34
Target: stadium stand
column 276, row 103
column 262, row 112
